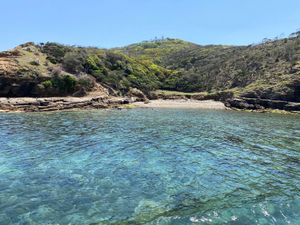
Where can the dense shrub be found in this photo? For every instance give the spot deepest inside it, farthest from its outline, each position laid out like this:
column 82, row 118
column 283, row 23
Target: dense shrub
column 35, row 63
column 65, row 83
column 47, row 84
column 74, row 61
column 55, row 52
column 86, row 82
column 217, row 67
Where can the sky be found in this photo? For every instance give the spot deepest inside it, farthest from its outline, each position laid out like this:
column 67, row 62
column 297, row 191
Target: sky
column 116, row 23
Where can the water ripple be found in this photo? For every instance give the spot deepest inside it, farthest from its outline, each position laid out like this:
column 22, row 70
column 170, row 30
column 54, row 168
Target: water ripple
column 144, row 166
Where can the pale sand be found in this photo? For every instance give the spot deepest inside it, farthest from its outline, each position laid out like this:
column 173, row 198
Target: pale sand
column 184, row 104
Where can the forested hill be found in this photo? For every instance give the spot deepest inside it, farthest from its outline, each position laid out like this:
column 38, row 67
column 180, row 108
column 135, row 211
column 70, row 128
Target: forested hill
column 268, row 70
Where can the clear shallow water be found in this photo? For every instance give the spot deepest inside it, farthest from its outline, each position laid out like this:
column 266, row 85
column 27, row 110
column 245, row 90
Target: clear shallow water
column 144, row 166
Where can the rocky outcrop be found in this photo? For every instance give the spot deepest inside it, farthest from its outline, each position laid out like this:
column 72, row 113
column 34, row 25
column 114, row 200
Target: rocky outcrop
column 260, row 104
column 56, row 104
column 288, row 91
column 137, row 95
column 80, row 93
column 18, row 77
column 21, row 86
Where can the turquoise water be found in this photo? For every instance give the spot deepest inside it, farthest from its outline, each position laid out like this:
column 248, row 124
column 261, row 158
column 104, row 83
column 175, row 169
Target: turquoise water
column 144, row 166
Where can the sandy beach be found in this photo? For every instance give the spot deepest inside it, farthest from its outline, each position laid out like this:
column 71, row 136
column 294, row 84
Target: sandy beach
column 184, row 104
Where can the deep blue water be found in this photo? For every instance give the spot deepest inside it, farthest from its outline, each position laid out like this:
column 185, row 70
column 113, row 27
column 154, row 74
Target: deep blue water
column 144, row 166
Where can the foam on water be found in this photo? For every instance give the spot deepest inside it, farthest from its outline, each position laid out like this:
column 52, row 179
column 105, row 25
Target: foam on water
column 144, row 166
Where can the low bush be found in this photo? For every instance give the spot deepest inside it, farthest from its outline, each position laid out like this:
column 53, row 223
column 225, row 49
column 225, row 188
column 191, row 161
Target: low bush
column 47, row 84
column 87, row 82
column 65, row 83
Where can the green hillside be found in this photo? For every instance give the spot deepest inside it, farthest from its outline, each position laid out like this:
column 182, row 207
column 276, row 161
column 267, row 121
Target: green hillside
column 268, row 70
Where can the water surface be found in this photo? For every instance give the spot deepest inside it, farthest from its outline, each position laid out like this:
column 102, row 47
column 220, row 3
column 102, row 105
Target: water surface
column 143, row 166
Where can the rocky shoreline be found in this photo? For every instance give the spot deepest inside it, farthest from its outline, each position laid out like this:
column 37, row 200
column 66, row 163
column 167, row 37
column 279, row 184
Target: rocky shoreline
column 47, row 104
column 58, row 104
column 237, row 103
column 262, row 104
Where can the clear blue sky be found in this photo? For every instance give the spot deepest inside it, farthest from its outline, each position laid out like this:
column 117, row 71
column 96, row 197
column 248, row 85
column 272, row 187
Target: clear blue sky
column 112, row 23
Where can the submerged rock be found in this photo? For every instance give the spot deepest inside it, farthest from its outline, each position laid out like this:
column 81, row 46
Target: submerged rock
column 147, row 210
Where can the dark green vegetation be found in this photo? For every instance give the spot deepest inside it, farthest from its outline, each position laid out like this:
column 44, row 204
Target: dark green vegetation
column 109, row 67
column 270, row 70
column 267, row 70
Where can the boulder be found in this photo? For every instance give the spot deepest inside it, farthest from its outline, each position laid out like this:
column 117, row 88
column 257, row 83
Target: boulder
column 137, row 94
column 80, row 93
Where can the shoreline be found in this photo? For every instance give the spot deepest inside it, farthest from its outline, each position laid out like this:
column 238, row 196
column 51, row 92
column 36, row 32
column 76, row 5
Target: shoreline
column 182, row 104
column 48, row 104
column 52, row 104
